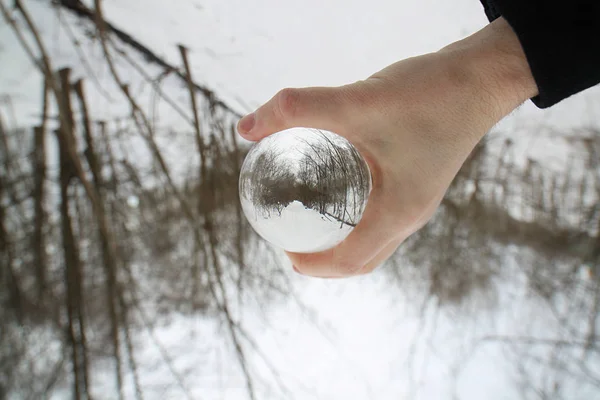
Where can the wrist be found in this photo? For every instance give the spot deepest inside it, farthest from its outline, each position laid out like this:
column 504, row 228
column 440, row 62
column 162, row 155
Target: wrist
column 495, row 63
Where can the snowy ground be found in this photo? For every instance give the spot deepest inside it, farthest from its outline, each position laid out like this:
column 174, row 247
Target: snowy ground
column 297, row 228
column 370, row 342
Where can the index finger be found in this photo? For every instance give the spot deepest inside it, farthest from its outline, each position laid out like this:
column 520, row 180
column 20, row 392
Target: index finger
column 318, row 107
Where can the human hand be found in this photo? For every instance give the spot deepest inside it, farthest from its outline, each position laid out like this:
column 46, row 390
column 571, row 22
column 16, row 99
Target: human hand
column 415, row 122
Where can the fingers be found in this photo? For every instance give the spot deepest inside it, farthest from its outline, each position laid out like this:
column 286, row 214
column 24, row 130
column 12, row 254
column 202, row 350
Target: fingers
column 319, row 107
column 386, row 253
column 372, row 235
column 332, row 109
column 379, row 259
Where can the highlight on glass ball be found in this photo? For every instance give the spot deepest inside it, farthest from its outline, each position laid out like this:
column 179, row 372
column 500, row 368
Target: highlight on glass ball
column 304, row 190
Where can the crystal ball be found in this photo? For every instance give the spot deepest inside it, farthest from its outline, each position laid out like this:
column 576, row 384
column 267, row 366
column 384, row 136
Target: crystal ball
column 304, row 190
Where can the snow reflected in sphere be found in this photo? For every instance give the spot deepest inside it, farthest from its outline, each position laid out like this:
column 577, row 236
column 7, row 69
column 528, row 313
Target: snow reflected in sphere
column 303, row 189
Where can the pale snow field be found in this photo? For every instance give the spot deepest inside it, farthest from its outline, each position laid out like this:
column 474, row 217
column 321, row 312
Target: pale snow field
column 366, row 349
column 309, row 230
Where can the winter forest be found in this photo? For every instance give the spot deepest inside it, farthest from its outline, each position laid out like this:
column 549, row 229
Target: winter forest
column 128, row 270
column 325, row 174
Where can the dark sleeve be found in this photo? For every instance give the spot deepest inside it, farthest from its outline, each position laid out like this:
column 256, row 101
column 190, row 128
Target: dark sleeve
column 561, row 40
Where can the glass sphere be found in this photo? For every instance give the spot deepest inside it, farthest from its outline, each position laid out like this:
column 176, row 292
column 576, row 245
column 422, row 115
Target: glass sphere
column 304, row 189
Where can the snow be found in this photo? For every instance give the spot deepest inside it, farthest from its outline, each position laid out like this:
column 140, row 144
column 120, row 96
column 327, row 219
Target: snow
column 297, row 228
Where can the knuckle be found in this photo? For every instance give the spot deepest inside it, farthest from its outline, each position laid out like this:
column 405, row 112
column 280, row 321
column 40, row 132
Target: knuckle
column 288, row 104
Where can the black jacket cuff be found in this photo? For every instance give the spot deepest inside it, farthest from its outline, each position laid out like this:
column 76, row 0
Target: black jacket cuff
column 561, row 40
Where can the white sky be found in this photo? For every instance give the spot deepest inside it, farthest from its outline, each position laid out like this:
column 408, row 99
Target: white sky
column 249, row 50
column 252, row 49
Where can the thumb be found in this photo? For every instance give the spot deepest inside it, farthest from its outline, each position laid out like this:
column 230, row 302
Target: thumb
column 317, row 107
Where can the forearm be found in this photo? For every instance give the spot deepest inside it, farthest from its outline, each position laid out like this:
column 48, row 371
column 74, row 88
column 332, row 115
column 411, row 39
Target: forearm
column 494, row 62
column 560, row 41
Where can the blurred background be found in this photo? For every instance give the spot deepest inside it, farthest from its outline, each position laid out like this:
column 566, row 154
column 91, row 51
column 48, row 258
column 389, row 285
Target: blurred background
column 127, row 270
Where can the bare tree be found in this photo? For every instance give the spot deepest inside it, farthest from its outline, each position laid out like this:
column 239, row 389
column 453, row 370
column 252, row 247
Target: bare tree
column 120, row 225
column 330, row 177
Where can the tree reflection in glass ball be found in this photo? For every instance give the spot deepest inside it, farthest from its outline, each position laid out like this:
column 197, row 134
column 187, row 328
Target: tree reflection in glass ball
column 303, row 189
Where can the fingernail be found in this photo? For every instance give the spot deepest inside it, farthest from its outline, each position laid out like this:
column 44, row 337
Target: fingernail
column 296, row 269
column 246, row 124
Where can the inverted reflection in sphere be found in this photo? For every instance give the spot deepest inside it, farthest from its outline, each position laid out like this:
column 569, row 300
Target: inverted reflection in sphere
column 303, row 189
